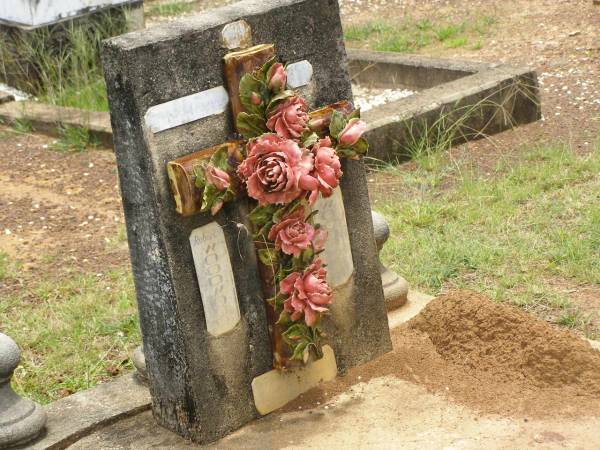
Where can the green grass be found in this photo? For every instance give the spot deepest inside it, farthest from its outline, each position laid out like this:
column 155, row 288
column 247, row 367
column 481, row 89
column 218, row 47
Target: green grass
column 170, row 9
column 413, row 35
column 3, row 265
column 76, row 139
column 73, row 333
column 508, row 233
column 60, row 65
column 22, row 126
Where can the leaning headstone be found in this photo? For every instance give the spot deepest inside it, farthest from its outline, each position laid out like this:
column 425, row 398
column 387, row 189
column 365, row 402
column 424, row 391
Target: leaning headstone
column 202, row 313
column 21, row 420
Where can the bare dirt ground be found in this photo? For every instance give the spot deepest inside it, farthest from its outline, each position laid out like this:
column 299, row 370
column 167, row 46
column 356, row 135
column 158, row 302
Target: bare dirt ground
column 61, row 211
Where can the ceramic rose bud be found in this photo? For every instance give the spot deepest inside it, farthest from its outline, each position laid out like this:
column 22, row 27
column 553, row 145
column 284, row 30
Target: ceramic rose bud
column 352, row 133
column 276, row 78
column 328, row 168
column 292, row 234
column 273, row 170
column 255, row 99
column 289, row 118
column 217, row 177
column 308, row 293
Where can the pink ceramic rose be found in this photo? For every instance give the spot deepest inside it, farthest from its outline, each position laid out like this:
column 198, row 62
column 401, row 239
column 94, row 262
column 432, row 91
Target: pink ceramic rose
column 217, row 177
column 292, row 234
column 289, row 118
column 308, row 293
column 352, row 132
column 328, row 168
column 276, row 78
column 276, row 170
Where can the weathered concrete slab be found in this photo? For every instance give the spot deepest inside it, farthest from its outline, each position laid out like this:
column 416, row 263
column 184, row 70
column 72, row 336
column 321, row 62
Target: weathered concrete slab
column 384, row 413
column 35, row 13
column 415, row 303
column 78, row 415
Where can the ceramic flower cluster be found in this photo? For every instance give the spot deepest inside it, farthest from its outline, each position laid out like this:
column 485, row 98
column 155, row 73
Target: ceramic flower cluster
column 288, row 160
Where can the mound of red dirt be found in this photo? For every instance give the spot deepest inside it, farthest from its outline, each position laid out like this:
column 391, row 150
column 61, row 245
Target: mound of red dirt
column 470, row 330
column 493, row 358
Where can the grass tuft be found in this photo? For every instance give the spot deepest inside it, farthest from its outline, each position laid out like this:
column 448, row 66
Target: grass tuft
column 412, row 36
column 76, row 139
column 74, row 333
column 61, row 64
column 170, row 9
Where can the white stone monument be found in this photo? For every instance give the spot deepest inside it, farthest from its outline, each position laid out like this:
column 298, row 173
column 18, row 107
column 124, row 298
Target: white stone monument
column 37, row 13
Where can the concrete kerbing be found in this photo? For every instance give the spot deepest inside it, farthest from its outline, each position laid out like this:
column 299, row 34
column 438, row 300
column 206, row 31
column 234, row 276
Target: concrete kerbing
column 476, row 98
column 443, row 85
column 87, row 412
column 78, row 415
column 48, row 118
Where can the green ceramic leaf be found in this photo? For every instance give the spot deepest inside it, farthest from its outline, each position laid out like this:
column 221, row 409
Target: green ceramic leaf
column 250, row 125
column 337, row 124
column 249, row 84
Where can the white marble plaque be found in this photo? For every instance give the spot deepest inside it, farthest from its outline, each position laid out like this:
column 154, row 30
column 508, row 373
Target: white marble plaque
column 337, row 254
column 299, row 74
column 215, row 278
column 187, row 109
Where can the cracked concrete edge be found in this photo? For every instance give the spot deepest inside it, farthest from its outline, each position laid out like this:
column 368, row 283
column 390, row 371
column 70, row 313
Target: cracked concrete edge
column 78, row 415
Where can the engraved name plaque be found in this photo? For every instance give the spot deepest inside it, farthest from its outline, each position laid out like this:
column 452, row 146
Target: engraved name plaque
column 337, row 254
column 215, row 278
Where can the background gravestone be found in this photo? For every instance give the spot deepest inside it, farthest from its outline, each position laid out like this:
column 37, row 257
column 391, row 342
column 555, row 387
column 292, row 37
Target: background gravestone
column 200, row 380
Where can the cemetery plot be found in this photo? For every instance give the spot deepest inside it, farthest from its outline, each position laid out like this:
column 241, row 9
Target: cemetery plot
column 178, row 106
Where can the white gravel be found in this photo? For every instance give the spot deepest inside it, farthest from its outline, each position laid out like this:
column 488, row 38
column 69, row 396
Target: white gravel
column 19, row 95
column 368, row 98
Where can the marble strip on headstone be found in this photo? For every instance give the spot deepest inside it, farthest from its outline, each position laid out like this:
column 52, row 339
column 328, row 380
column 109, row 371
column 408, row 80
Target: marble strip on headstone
column 337, row 254
column 215, row 278
column 236, row 34
column 187, row 109
column 299, row 74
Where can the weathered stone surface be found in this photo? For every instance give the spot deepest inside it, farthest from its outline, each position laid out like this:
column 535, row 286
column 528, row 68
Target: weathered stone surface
column 21, row 420
column 201, row 383
column 381, row 413
column 82, row 413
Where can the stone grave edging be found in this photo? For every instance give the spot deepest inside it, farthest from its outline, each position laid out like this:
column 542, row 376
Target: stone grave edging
column 448, row 82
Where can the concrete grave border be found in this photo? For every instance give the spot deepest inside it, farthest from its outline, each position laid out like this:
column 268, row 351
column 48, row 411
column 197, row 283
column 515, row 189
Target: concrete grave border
column 444, row 86
column 477, row 98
